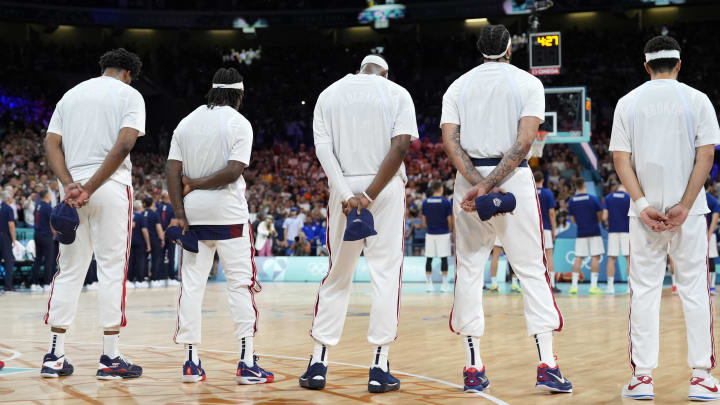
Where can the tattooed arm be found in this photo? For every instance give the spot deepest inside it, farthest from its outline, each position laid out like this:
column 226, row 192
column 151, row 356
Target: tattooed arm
column 527, row 133
column 458, row 156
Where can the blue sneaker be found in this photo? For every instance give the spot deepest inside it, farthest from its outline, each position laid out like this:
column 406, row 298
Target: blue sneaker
column 253, row 375
column 314, row 377
column 550, row 379
column 475, row 381
column 193, row 373
column 382, row 381
column 54, row 366
column 119, row 367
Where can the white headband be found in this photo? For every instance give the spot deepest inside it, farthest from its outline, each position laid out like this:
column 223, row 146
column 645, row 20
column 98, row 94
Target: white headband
column 500, row 55
column 376, row 60
column 667, row 53
column 236, row 86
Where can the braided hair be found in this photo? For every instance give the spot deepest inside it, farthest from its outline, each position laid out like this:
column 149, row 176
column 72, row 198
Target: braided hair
column 662, row 43
column 230, row 97
column 121, row 59
column 493, row 39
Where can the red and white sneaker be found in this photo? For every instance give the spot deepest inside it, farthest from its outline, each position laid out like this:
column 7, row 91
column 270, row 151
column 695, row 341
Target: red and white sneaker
column 674, row 290
column 639, row 387
column 704, row 389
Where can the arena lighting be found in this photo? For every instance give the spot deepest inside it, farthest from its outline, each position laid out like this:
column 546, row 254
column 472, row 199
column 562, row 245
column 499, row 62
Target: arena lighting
column 381, row 14
column 476, row 21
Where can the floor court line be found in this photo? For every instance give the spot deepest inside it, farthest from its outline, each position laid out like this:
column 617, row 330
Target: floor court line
column 421, row 377
column 14, row 355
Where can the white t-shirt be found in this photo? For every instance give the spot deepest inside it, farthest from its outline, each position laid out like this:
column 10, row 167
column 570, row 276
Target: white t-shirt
column 204, row 142
column 89, row 118
column 488, row 102
column 661, row 123
column 359, row 115
column 293, row 226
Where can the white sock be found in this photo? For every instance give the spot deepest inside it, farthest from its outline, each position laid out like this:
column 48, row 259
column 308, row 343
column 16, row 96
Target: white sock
column 552, row 278
column 444, row 279
column 472, row 352
column 594, row 279
column 672, row 277
column 575, row 277
column 110, row 345
column 611, row 284
column 514, row 281
column 428, row 278
column 246, row 351
column 545, row 350
column 712, row 279
column 192, row 353
column 380, row 357
column 493, row 281
column 57, row 344
column 320, row 354
column 701, row 372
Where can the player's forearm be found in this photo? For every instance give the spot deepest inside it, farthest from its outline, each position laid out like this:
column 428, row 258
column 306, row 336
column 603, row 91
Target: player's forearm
column 399, row 146
column 146, row 236
column 221, row 178
column 56, row 158
column 173, row 171
column 333, row 172
column 159, row 230
column 713, row 223
column 553, row 219
column 113, row 160
column 703, row 163
column 451, row 224
column 527, row 132
column 11, row 227
column 627, row 175
column 458, row 156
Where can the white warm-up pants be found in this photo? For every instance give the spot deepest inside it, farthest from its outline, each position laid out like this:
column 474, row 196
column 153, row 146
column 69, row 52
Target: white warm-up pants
column 688, row 248
column 384, row 255
column 104, row 229
column 238, row 263
column 521, row 235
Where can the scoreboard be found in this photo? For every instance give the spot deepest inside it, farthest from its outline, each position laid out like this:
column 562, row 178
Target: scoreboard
column 545, row 53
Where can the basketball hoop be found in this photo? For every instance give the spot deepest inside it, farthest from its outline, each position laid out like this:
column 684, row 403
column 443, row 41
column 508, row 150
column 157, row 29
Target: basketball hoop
column 536, row 150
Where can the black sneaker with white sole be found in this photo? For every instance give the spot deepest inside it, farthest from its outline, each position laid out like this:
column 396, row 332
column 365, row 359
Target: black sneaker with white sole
column 382, row 381
column 314, row 377
column 54, row 366
column 119, row 367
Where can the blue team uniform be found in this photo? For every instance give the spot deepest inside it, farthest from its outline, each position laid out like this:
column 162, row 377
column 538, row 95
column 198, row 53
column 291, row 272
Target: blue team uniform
column 713, row 205
column 547, row 202
column 584, row 208
column 7, row 215
column 138, row 255
column 44, row 244
column 167, row 214
column 157, row 266
column 618, row 204
column 436, row 211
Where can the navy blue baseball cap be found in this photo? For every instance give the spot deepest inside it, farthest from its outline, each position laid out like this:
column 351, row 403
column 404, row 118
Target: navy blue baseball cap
column 64, row 220
column 359, row 225
column 492, row 204
column 189, row 241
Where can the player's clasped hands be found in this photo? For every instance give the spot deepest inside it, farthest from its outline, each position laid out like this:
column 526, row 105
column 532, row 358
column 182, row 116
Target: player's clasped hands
column 75, row 195
column 357, row 201
column 670, row 221
column 476, row 191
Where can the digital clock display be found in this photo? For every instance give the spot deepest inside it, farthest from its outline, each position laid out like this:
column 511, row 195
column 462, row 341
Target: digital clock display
column 545, row 50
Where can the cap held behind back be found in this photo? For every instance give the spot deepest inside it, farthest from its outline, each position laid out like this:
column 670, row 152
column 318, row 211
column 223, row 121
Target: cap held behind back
column 64, row 220
column 492, row 204
column 359, row 225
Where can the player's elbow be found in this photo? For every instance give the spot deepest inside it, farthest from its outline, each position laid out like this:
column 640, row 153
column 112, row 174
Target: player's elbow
column 705, row 154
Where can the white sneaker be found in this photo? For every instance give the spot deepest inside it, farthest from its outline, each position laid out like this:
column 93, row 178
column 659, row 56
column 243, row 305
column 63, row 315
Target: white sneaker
column 445, row 288
column 704, row 389
column 46, row 288
column 92, row 287
column 610, row 291
column 36, row 288
column 143, row 284
column 129, row 285
column 157, row 284
column 429, row 287
column 639, row 387
column 173, row 283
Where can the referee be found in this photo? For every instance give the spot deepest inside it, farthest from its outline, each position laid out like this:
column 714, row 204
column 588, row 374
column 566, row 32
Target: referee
column 437, row 219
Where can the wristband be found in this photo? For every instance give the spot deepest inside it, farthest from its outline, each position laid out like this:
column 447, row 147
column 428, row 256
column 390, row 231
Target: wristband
column 367, row 196
column 641, row 204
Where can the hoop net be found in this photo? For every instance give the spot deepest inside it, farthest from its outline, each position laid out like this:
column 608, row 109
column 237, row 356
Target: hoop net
column 536, row 150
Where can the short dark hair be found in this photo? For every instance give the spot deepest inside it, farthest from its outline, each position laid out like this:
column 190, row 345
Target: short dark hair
column 436, row 186
column 493, row 39
column 579, row 182
column 42, row 193
column 538, row 176
column 147, row 202
column 662, row 43
column 121, row 59
column 229, row 97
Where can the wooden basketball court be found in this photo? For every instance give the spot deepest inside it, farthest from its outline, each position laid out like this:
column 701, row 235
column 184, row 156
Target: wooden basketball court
column 427, row 358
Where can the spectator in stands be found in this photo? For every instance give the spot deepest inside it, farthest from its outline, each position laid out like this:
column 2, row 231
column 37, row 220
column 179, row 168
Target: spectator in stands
column 264, row 238
column 292, row 225
column 157, row 242
column 139, row 248
column 301, row 246
column 44, row 245
column 414, row 233
column 7, row 238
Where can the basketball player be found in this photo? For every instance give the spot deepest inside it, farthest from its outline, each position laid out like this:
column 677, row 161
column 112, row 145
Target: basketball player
column 437, row 218
column 663, row 139
column 586, row 213
column 89, row 138
column 490, row 118
column 712, row 223
column 497, row 250
column 209, row 151
column 547, row 208
column 615, row 215
column 363, row 125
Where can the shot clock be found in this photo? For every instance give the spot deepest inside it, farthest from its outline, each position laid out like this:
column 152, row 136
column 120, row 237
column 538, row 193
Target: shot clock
column 545, row 53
